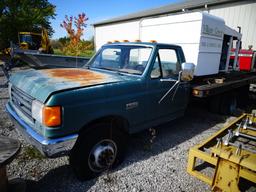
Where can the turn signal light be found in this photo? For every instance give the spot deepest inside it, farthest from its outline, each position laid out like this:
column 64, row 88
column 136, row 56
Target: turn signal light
column 52, row 116
column 195, row 92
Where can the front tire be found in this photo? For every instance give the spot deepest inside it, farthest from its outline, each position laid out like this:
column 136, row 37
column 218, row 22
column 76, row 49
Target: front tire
column 97, row 150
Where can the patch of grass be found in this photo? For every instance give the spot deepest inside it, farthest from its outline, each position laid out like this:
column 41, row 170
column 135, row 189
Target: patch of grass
column 30, row 152
column 87, row 53
column 57, row 52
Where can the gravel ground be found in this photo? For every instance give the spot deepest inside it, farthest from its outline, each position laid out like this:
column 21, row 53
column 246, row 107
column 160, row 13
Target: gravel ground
column 160, row 166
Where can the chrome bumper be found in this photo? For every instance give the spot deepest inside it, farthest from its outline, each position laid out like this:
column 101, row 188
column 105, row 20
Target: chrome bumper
column 48, row 147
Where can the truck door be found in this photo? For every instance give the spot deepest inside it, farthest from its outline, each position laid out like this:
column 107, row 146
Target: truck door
column 163, row 75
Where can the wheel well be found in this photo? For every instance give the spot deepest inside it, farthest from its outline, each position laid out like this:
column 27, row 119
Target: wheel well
column 118, row 122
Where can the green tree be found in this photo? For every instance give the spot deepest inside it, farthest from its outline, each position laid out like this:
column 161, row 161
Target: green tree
column 64, row 40
column 56, row 44
column 23, row 15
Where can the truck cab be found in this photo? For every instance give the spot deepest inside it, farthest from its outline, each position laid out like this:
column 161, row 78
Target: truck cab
column 88, row 112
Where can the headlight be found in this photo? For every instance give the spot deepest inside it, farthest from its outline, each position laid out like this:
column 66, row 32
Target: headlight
column 49, row 116
column 37, row 110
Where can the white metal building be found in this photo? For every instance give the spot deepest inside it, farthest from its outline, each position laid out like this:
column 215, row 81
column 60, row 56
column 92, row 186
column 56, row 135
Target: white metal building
column 243, row 15
column 235, row 13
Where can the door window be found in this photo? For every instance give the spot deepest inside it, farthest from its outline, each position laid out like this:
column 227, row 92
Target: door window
column 166, row 64
column 169, row 62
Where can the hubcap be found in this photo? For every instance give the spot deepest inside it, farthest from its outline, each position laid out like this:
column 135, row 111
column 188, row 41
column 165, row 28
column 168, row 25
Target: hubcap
column 102, row 155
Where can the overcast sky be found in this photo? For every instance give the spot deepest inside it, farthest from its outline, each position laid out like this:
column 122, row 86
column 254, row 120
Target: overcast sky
column 98, row 11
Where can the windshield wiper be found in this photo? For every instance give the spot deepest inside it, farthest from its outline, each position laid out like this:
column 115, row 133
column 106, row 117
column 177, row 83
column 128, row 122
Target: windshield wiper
column 130, row 71
column 106, row 68
column 86, row 66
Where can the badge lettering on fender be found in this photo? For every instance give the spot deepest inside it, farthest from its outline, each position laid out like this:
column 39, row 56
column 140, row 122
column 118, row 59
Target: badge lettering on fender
column 131, row 105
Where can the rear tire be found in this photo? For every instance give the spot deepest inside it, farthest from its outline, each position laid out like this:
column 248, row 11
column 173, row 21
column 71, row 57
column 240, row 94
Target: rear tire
column 228, row 104
column 224, row 104
column 243, row 95
column 214, row 104
column 97, row 150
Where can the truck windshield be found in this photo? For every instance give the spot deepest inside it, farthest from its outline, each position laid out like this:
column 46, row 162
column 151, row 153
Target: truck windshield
column 122, row 58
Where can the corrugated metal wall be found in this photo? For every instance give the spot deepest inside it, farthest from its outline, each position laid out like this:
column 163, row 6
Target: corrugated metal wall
column 241, row 15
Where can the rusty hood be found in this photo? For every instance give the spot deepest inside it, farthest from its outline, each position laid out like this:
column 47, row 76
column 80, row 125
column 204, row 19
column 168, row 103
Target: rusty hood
column 40, row 84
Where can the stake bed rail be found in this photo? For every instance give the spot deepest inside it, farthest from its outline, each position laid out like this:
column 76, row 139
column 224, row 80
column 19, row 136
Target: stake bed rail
column 231, row 152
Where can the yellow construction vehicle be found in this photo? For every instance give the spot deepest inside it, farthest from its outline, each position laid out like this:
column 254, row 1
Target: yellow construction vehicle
column 227, row 160
column 29, row 40
column 35, row 41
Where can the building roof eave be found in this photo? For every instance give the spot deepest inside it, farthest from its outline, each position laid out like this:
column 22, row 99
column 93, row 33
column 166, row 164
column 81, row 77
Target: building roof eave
column 171, row 8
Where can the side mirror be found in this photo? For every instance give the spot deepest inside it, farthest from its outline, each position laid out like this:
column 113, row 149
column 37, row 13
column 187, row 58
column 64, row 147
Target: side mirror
column 187, row 71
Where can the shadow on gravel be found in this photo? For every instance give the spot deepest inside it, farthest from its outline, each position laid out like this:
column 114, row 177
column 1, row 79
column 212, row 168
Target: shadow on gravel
column 59, row 179
column 168, row 137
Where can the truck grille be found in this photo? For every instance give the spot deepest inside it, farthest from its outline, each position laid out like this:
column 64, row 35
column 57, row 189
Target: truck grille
column 22, row 101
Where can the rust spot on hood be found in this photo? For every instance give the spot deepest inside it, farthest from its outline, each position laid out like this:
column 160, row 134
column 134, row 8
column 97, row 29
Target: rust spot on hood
column 82, row 76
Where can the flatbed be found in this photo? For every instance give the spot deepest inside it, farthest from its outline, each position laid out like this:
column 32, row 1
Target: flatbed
column 222, row 83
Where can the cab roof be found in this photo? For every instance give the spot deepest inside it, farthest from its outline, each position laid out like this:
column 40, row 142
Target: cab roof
column 151, row 44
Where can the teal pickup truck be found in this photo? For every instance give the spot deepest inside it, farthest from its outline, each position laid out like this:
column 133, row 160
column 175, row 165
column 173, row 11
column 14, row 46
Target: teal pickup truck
column 87, row 112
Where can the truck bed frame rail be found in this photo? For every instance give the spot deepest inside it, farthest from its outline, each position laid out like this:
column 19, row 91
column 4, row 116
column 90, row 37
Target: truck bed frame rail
column 217, row 85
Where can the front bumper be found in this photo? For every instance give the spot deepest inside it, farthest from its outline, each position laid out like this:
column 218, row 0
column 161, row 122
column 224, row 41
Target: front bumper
column 48, row 147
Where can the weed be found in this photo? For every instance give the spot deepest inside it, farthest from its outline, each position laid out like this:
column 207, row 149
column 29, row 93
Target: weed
column 30, row 152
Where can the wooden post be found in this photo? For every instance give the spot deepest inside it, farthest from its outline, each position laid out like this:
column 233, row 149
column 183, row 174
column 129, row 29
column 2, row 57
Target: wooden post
column 9, row 148
column 3, row 179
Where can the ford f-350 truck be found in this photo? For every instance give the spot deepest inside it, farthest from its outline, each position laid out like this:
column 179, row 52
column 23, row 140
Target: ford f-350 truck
column 88, row 112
